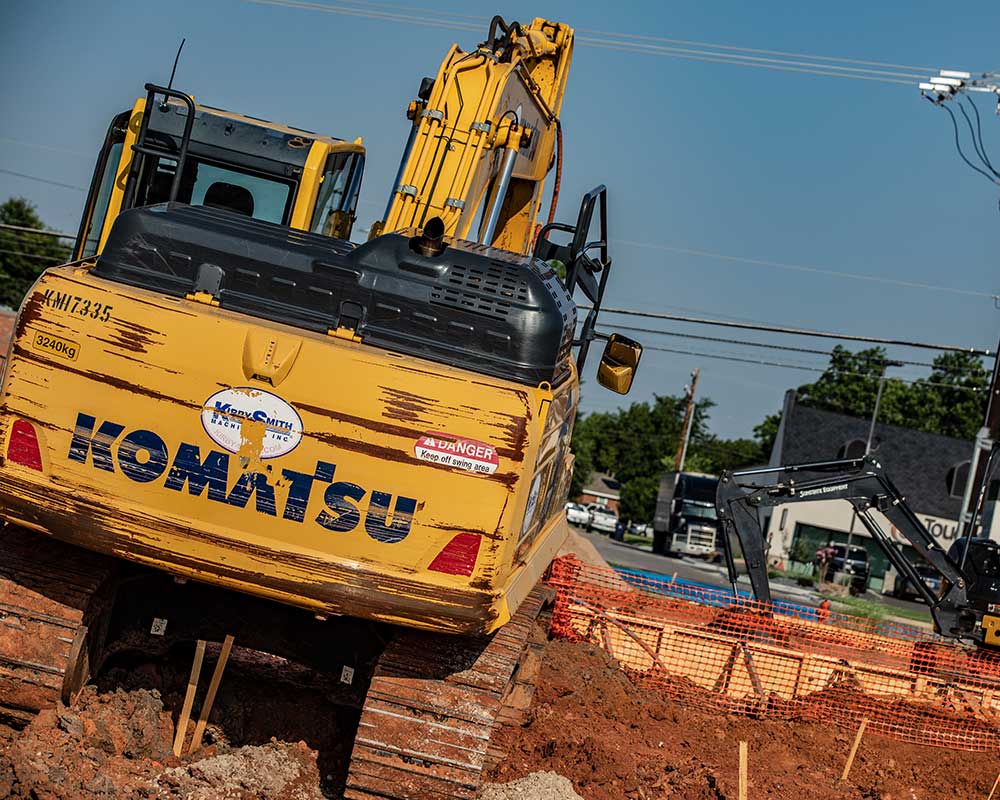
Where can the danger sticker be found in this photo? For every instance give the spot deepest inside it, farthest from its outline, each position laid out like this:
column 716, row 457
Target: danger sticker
column 457, row 452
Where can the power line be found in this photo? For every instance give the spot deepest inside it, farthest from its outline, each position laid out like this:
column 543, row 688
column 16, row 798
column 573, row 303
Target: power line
column 426, row 22
column 741, row 342
column 50, row 259
column 802, row 268
column 822, row 370
column 975, row 141
column 979, row 130
column 914, row 70
column 45, row 147
column 687, row 42
column 816, row 65
column 39, row 231
column 720, row 58
column 958, row 146
column 797, row 331
column 43, row 180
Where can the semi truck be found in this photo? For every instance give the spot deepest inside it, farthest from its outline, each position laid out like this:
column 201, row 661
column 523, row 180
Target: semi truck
column 685, row 521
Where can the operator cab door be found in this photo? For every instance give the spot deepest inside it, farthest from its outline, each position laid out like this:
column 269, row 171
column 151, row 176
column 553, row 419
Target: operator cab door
column 337, row 195
column 102, row 185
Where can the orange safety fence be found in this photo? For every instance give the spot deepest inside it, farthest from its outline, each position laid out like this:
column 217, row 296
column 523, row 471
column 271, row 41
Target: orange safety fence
column 699, row 645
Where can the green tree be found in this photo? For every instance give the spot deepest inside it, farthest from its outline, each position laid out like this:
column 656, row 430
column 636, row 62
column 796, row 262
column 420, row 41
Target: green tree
column 950, row 401
column 582, row 445
column 766, row 433
column 849, row 383
column 956, row 388
column 638, row 444
column 712, row 455
column 638, row 498
column 23, row 256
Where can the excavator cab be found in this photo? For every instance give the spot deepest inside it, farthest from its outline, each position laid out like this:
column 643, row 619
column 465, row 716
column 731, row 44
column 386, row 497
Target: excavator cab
column 203, row 156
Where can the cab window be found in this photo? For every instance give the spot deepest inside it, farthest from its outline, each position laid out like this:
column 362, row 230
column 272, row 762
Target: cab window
column 338, row 195
column 101, row 186
column 206, row 183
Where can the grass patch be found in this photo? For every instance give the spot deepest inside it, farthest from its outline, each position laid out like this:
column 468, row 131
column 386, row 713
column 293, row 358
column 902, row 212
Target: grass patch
column 879, row 612
column 632, row 538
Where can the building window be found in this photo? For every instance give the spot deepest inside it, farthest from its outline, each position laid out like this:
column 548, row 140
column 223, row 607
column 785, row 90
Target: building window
column 852, row 449
column 956, row 479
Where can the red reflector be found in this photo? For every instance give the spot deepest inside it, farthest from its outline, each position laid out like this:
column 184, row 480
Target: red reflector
column 23, row 446
column 458, row 556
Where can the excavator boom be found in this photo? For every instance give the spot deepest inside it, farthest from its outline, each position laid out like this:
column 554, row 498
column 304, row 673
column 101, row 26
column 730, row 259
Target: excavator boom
column 483, row 137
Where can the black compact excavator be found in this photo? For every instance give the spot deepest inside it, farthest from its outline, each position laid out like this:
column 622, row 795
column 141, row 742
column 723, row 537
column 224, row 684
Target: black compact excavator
column 966, row 608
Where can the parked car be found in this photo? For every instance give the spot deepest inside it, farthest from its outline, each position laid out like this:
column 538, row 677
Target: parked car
column 602, row 519
column 853, row 564
column 640, row 529
column 577, row 514
column 903, row 588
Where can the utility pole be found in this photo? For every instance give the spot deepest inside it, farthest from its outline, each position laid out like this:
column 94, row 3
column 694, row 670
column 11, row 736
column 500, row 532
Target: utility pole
column 682, row 446
column 868, row 442
column 949, row 86
column 878, row 400
column 984, row 441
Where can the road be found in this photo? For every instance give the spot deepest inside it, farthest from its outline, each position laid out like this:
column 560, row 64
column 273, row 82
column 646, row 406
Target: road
column 690, row 569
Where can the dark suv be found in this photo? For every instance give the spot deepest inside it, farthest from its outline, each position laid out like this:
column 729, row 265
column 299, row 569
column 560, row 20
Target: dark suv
column 854, row 564
column 901, row 586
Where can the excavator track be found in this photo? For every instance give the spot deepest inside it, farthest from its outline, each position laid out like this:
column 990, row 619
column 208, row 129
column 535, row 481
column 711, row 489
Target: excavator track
column 52, row 599
column 433, row 705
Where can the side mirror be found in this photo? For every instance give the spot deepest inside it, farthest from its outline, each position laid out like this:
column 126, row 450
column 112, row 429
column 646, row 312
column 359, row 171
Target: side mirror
column 619, row 362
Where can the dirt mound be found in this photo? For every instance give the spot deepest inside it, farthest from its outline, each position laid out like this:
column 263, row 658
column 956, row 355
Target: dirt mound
column 614, row 740
column 119, row 745
column 107, row 745
column 274, row 770
column 536, row 786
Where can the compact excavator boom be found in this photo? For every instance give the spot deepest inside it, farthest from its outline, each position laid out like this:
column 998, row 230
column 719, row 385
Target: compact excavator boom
column 968, row 607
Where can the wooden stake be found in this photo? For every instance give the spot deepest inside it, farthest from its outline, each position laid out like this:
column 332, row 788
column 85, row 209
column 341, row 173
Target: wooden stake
column 199, row 655
column 854, row 749
column 996, row 783
column 743, row 771
column 213, row 687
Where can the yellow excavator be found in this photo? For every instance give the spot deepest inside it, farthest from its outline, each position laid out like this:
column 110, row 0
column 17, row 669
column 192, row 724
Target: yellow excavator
column 361, row 453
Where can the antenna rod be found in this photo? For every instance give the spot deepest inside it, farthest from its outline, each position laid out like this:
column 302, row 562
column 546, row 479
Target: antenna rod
column 170, row 83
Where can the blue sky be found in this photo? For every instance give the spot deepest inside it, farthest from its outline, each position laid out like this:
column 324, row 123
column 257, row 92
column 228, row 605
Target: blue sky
column 844, row 175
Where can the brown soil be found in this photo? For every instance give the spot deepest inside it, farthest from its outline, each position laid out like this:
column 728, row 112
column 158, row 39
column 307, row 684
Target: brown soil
column 614, row 740
column 588, row 722
column 119, row 745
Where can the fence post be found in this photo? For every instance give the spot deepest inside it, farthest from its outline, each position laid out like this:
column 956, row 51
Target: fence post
column 743, row 771
column 854, row 748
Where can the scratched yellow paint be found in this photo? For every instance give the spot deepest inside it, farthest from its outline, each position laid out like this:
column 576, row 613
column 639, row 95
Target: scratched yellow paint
column 145, row 368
